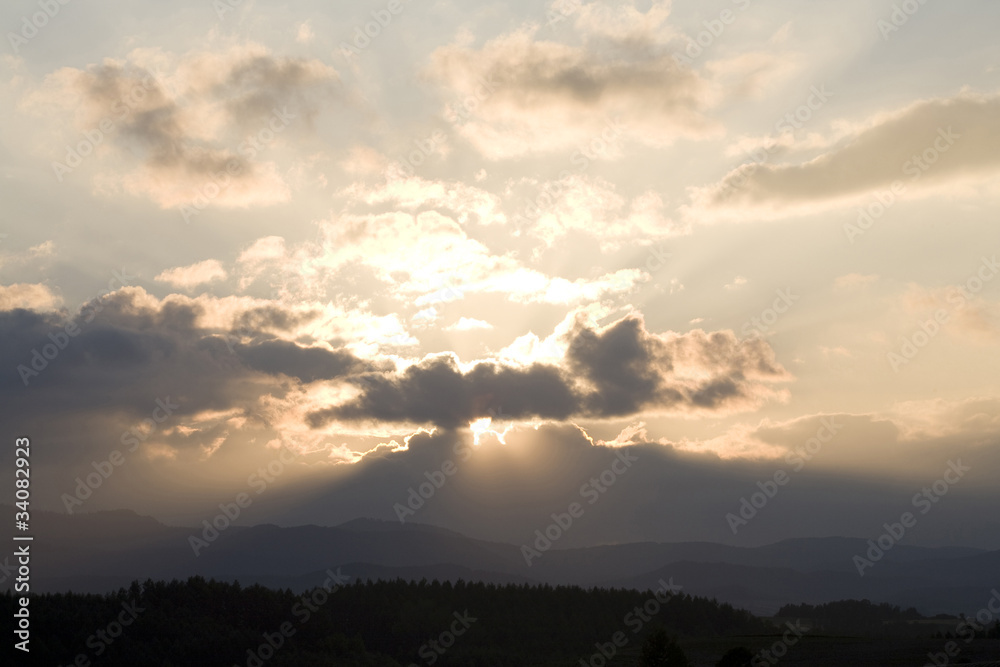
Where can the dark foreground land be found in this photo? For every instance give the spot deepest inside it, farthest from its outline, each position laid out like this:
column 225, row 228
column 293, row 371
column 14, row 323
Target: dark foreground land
column 401, row 623
column 833, row 651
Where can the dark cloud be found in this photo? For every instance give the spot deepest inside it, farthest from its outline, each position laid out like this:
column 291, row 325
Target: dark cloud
column 273, row 318
column 306, row 363
column 126, row 351
column 506, row 492
column 437, row 391
column 148, row 120
column 256, row 85
column 625, row 366
column 715, row 393
column 616, row 372
column 77, row 408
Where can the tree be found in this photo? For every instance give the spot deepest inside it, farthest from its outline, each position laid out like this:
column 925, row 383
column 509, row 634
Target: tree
column 736, row 657
column 661, row 651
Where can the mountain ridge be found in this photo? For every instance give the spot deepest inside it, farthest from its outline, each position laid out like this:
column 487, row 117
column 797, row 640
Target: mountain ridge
column 97, row 550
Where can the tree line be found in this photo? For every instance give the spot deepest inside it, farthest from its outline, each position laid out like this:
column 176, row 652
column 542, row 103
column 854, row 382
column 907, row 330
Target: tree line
column 366, row 624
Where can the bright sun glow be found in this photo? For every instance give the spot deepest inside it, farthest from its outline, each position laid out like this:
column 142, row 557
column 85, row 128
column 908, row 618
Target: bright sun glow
column 482, row 426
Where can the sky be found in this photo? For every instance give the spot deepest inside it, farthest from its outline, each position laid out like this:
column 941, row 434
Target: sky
column 493, row 248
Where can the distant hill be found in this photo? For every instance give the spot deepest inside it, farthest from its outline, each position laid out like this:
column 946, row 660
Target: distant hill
column 96, row 552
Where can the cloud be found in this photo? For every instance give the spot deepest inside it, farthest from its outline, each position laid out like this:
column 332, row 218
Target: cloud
column 691, row 373
column 339, row 321
column 426, row 316
column 44, row 249
column 592, row 206
column 975, row 419
column 267, row 247
column 534, row 96
column 436, row 391
column 34, row 256
column 308, row 364
column 29, row 296
column 122, row 352
column 304, row 34
column 501, row 490
column 233, row 401
column 251, row 83
column 467, row 203
column 364, row 161
column 967, row 312
column 840, row 350
column 929, row 144
column 174, row 132
column 422, row 258
column 469, row 324
column 614, row 372
column 621, row 23
column 193, row 275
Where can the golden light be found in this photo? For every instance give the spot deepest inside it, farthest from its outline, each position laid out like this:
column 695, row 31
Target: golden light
column 482, row 426
column 479, row 427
